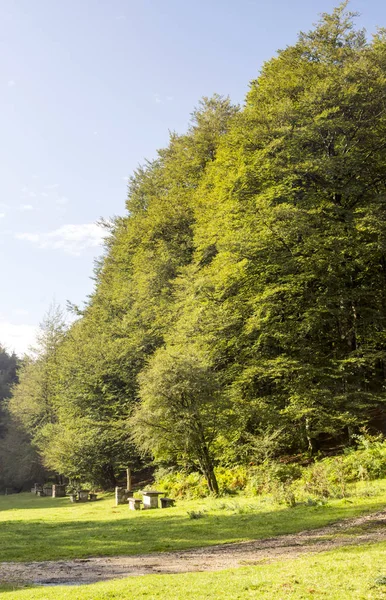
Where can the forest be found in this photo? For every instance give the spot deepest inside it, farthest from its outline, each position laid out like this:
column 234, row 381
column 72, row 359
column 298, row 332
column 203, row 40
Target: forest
column 239, row 307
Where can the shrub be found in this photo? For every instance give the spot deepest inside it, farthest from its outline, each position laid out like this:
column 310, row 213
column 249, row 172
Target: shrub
column 269, row 477
column 179, row 484
column 288, row 482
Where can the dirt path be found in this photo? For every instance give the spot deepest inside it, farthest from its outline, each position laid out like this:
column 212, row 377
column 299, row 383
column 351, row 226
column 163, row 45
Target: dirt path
column 212, row 558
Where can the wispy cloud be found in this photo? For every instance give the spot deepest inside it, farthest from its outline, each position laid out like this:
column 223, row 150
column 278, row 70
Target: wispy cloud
column 11, row 83
column 73, row 239
column 27, row 192
column 26, row 207
column 159, row 99
column 2, row 215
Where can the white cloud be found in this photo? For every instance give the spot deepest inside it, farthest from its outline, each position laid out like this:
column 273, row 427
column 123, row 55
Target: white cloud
column 11, row 83
column 26, row 191
column 159, row 99
column 20, row 312
column 52, row 186
column 73, row 239
column 17, row 338
column 62, row 201
column 2, row 215
column 25, row 207
column 44, row 194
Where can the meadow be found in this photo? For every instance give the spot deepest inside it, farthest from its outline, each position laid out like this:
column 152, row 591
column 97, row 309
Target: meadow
column 350, row 573
column 33, row 528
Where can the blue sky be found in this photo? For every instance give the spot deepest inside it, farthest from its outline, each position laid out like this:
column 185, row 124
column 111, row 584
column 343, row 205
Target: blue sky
column 89, row 90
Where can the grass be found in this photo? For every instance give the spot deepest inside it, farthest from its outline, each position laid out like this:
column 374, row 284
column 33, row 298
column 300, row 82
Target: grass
column 33, row 528
column 348, row 573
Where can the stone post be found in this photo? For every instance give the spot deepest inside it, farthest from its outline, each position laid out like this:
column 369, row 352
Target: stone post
column 121, row 495
column 58, row 491
column 128, row 476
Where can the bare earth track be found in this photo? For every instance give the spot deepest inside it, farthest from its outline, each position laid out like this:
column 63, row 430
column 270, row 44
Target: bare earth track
column 372, row 528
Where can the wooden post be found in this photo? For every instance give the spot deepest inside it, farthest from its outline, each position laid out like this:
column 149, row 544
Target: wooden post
column 128, row 475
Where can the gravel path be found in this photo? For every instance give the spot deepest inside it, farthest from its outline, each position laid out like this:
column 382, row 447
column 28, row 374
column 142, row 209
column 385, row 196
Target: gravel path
column 212, row 558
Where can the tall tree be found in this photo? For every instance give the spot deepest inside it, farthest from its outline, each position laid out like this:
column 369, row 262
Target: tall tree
column 33, row 401
column 8, row 377
column 293, row 222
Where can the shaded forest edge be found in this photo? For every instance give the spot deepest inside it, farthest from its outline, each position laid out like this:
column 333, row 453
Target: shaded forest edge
column 239, row 307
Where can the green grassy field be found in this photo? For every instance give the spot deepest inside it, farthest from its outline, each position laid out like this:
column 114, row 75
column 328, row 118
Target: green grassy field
column 346, row 574
column 33, row 528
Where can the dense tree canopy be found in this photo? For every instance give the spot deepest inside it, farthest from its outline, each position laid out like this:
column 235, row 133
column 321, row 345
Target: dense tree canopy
column 244, row 290
column 8, row 377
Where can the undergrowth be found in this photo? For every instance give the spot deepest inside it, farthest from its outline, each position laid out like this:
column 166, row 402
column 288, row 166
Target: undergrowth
column 289, row 482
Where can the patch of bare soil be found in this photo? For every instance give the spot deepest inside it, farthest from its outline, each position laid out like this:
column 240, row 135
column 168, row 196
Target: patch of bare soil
column 361, row 530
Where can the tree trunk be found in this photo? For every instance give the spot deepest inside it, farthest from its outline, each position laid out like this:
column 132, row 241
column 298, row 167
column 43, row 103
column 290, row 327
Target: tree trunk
column 208, row 471
column 212, row 481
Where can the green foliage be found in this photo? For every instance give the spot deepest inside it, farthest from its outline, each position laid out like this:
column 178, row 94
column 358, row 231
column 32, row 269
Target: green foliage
column 8, row 377
column 288, row 482
column 272, row 478
column 239, row 309
column 179, row 484
column 19, row 462
column 196, row 514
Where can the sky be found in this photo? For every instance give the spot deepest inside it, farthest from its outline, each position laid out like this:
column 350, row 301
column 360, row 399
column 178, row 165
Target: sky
column 89, row 90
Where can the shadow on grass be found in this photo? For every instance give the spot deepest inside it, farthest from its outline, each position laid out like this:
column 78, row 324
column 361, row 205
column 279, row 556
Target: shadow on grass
column 4, row 588
column 29, row 501
column 140, row 533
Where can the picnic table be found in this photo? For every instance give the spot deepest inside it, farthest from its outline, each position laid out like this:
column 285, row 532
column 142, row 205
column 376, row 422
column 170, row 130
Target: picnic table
column 150, row 498
column 83, row 496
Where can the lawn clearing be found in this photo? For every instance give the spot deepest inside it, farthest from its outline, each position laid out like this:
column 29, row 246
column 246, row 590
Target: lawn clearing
column 34, row 529
column 349, row 573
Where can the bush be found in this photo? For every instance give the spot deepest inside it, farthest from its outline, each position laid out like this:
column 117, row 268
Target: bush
column 270, row 477
column 232, row 480
column 288, row 482
column 179, row 484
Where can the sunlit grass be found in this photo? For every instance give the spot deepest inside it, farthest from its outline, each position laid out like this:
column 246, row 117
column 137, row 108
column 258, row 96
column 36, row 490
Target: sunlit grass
column 345, row 574
column 33, row 528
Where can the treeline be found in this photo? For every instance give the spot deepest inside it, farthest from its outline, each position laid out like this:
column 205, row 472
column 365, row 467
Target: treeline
column 242, row 298
column 20, row 463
